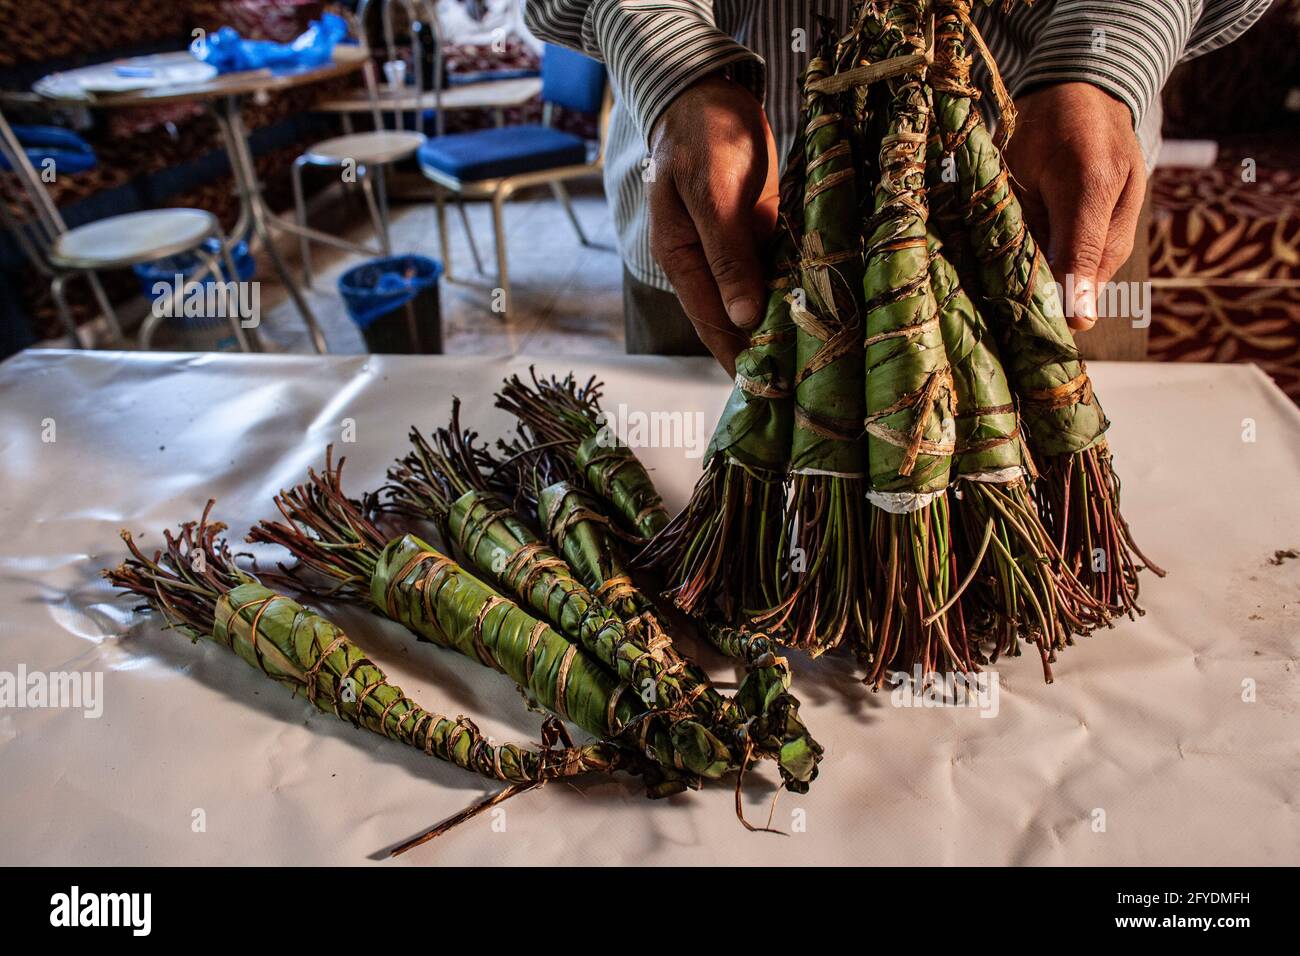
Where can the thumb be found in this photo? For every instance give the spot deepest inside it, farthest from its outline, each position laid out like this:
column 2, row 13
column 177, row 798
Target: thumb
column 1077, row 227
column 729, row 245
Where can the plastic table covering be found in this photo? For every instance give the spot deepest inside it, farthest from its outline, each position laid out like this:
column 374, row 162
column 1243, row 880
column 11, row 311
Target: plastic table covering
column 1169, row 740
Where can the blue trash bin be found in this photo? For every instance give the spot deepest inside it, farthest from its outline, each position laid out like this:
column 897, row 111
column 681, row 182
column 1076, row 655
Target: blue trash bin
column 394, row 302
column 186, row 264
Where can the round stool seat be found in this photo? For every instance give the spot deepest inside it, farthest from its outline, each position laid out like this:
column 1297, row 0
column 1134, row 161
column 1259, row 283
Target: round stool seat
column 381, row 146
column 132, row 238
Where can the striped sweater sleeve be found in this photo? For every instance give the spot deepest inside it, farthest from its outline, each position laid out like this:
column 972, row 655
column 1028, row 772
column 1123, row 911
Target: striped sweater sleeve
column 654, row 49
column 1128, row 48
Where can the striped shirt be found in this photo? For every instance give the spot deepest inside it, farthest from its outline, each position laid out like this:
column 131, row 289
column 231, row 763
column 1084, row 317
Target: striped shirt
column 656, row 48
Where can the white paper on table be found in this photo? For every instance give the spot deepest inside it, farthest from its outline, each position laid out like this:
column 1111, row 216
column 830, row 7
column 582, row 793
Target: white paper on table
column 1145, row 728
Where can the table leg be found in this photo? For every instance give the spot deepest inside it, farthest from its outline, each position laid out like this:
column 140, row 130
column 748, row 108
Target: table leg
column 254, row 209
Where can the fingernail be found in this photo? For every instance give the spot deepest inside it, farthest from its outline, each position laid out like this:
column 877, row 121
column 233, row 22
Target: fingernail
column 742, row 312
column 1085, row 300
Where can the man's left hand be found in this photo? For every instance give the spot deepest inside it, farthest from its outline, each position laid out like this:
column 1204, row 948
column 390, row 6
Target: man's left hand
column 1081, row 179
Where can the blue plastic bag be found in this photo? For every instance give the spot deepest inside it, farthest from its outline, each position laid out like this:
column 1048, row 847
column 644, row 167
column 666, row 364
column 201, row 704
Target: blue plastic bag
column 380, row 286
column 231, row 53
column 186, row 264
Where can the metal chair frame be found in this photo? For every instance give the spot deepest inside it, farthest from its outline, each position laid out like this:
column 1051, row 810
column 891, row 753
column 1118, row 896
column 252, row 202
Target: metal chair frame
column 499, row 190
column 39, row 228
column 372, row 180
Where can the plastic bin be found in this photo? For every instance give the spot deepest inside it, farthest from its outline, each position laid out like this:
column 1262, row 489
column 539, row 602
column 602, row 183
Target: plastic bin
column 186, row 264
column 394, row 302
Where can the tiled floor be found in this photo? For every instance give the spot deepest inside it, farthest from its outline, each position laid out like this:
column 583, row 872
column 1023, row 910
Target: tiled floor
column 567, row 297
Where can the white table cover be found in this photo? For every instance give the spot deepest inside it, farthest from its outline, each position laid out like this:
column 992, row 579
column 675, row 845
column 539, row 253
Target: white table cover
column 1150, row 748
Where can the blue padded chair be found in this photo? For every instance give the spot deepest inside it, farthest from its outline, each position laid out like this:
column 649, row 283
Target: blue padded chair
column 495, row 163
column 69, row 152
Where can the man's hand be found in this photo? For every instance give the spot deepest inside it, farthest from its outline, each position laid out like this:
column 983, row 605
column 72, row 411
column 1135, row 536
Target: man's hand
column 1081, row 179
column 712, row 202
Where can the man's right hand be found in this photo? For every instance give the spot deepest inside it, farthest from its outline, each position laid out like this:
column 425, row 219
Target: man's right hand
column 712, row 203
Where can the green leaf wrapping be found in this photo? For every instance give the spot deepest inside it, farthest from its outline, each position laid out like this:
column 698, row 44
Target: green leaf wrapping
column 1060, row 412
column 740, row 642
column 1022, row 587
column 431, row 595
column 593, row 551
column 825, row 596
column 764, row 695
column 617, row 475
column 1077, row 490
column 506, row 551
column 829, row 379
column 301, row 649
column 755, row 425
column 574, row 524
column 197, row 587
column 721, row 547
column 910, row 426
column 988, row 432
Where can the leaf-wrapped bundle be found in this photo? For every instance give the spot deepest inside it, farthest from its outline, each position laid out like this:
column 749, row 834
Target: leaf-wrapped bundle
column 722, row 547
column 432, row 596
column 910, row 422
column 568, row 421
column 827, row 597
column 616, row 474
column 1078, row 493
column 198, row 588
column 407, row 580
column 506, row 550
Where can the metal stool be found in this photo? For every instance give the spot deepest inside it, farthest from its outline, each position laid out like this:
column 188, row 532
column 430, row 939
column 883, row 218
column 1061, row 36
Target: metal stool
column 369, row 152
column 114, row 243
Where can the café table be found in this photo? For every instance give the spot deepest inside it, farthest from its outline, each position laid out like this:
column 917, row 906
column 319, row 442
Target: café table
column 225, row 96
column 495, row 96
column 1171, row 739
